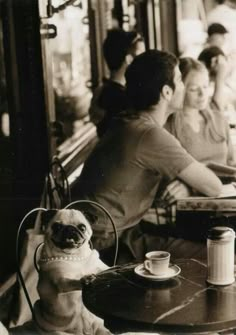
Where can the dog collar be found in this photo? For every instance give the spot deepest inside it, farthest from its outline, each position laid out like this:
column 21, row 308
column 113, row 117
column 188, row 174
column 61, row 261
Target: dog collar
column 62, row 258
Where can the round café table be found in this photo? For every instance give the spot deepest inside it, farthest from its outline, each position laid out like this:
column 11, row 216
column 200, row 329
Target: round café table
column 183, row 304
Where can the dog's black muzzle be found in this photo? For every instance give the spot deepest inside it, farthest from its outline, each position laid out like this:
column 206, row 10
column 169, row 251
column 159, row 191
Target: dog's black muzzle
column 67, row 236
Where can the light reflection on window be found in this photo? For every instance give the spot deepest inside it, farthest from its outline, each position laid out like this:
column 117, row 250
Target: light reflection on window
column 71, row 66
column 4, row 114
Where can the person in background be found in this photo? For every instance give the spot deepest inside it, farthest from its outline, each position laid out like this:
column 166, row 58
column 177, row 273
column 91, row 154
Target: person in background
column 209, row 57
column 200, row 127
column 225, row 14
column 217, row 35
column 124, row 171
column 222, row 74
column 218, row 68
column 109, row 99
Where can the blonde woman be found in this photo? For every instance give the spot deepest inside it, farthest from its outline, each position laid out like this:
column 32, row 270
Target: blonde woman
column 200, row 126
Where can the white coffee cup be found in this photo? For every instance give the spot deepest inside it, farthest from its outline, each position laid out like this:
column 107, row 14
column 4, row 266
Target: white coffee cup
column 157, row 262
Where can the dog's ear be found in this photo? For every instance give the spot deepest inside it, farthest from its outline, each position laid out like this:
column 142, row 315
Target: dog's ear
column 46, row 216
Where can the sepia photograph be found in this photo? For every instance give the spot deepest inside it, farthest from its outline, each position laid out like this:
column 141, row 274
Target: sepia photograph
column 117, row 167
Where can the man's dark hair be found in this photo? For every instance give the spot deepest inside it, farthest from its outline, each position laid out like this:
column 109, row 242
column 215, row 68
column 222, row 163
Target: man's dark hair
column 216, row 28
column 116, row 46
column 208, row 53
column 146, row 76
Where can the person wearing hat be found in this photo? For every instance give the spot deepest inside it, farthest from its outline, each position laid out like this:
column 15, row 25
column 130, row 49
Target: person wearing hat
column 217, row 35
column 109, row 99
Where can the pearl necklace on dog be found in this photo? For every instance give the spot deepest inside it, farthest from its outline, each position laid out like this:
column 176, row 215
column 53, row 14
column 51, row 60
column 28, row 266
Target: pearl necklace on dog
column 62, row 258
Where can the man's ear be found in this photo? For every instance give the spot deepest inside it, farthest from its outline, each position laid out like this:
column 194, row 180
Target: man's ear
column 167, row 92
column 46, row 216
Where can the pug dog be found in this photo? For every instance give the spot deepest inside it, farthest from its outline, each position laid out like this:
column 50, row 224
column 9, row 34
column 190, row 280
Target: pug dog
column 66, row 257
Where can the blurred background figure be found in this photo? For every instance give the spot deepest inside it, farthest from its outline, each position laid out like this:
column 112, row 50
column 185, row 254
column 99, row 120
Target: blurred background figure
column 217, row 35
column 222, row 75
column 210, row 57
column 200, row 126
column 119, row 49
column 225, row 14
column 215, row 61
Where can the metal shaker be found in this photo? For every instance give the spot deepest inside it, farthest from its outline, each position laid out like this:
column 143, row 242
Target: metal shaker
column 220, row 256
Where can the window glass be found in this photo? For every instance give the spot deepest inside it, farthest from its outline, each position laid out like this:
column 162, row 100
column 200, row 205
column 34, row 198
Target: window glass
column 191, row 18
column 71, row 67
column 5, row 125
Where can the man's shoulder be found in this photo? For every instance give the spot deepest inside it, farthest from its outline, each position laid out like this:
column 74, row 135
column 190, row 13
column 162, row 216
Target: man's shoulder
column 159, row 135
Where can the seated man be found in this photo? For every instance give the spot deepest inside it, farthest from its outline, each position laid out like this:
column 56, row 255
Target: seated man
column 109, row 99
column 124, row 171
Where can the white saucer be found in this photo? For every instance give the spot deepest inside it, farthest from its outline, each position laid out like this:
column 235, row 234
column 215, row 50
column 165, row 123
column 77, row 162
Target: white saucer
column 173, row 271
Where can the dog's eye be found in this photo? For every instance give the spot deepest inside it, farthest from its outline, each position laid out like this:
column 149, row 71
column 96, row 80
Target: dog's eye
column 82, row 228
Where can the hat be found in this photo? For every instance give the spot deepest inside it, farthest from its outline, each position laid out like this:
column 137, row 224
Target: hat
column 116, row 46
column 216, row 28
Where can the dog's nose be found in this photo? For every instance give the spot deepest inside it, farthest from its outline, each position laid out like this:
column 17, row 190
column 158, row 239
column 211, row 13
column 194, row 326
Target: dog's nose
column 70, row 232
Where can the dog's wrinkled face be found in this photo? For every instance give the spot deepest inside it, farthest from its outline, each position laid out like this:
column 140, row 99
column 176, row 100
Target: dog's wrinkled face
column 67, row 229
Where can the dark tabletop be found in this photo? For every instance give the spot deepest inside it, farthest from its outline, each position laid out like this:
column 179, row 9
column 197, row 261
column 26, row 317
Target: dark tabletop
column 186, row 303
